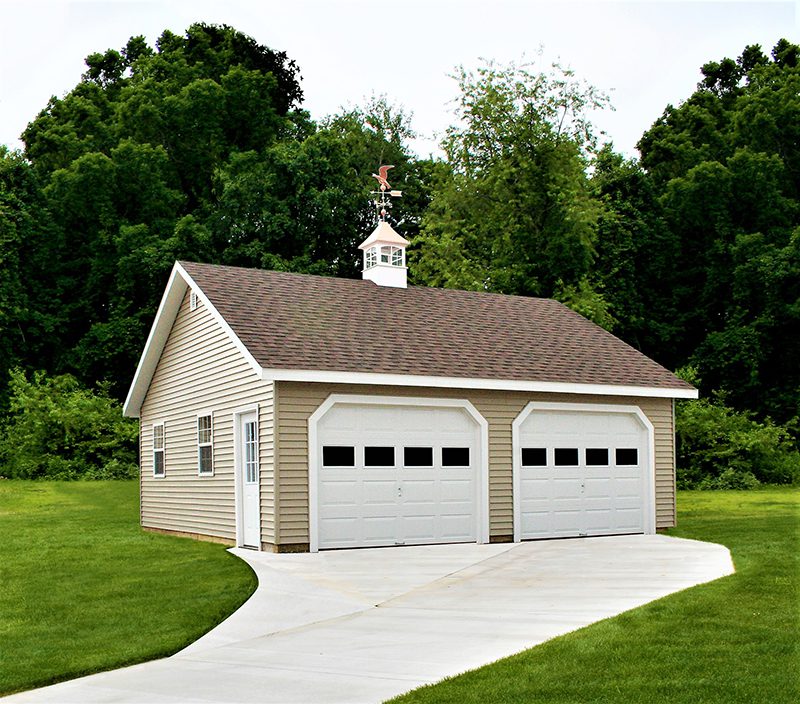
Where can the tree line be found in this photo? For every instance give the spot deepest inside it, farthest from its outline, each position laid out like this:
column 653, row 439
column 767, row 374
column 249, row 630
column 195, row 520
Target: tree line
column 198, row 148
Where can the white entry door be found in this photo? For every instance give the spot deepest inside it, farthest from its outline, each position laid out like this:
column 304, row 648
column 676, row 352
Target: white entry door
column 248, row 480
column 582, row 472
column 397, row 475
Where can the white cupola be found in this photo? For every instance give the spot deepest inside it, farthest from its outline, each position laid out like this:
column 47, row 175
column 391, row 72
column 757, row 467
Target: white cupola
column 385, row 257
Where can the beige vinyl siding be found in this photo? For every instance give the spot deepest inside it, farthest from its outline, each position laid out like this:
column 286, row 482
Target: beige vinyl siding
column 296, row 401
column 202, row 370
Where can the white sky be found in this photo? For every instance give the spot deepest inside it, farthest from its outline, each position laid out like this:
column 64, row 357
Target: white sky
column 644, row 53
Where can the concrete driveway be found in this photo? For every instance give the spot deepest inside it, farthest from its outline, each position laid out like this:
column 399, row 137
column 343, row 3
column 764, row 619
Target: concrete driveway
column 365, row 625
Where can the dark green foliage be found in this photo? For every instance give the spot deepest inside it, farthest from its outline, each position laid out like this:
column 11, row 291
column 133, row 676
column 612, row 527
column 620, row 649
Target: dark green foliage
column 198, row 149
column 57, row 429
column 195, row 149
column 719, row 448
column 512, row 211
column 697, row 253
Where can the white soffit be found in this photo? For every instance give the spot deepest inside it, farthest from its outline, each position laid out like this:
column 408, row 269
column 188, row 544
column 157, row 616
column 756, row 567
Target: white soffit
column 333, row 377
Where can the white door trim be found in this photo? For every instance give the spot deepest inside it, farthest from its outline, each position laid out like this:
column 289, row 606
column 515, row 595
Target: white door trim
column 649, row 510
column 237, row 471
column 333, row 399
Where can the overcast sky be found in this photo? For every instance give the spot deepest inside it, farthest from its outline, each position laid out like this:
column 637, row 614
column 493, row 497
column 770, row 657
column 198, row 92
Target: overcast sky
column 644, row 54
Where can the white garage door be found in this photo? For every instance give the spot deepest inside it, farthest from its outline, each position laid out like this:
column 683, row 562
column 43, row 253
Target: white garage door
column 396, row 475
column 582, row 473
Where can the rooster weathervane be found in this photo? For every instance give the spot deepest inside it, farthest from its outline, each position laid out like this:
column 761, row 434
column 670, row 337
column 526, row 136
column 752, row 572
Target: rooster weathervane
column 383, row 201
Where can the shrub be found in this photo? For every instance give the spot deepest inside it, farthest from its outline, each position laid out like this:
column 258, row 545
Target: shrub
column 730, row 479
column 718, row 447
column 58, row 429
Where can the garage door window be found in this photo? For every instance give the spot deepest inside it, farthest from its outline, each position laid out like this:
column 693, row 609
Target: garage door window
column 566, row 457
column 534, row 457
column 338, row 456
column 418, row 456
column 597, row 456
column 627, row 456
column 379, row 457
column 455, row 457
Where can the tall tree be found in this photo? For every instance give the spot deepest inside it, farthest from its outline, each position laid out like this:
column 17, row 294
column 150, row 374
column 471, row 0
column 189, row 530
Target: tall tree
column 511, row 210
column 726, row 167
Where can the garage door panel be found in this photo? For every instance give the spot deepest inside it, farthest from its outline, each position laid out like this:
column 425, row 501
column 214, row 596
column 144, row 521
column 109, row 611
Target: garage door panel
column 376, row 492
column 379, row 529
column 457, row 491
column 418, row 528
column 340, row 530
column 458, row 527
column 402, row 503
column 340, row 493
column 564, row 488
column 595, row 497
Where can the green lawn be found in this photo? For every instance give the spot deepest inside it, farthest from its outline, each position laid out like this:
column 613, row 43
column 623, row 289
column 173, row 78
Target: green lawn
column 733, row 640
column 83, row 588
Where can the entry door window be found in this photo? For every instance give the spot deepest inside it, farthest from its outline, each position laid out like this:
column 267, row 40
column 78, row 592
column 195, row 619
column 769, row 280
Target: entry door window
column 250, row 452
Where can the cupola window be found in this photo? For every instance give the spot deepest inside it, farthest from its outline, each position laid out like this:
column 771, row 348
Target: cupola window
column 371, row 257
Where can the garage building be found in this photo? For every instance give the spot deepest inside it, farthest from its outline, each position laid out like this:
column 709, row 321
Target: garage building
column 290, row 412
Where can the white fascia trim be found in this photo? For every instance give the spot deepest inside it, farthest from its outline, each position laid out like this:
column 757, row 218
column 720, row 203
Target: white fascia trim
column 159, row 332
column 218, row 317
column 333, row 399
column 179, row 281
column 516, row 460
column 449, row 382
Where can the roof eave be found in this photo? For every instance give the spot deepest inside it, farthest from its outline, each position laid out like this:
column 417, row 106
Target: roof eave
column 179, row 281
column 333, row 377
column 159, row 332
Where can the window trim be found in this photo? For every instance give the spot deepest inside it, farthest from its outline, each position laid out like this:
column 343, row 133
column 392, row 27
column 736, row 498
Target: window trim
column 586, row 451
column 210, row 443
column 455, row 447
column 393, row 448
column 626, row 464
column 162, row 449
column 339, row 466
column 405, row 465
column 522, row 462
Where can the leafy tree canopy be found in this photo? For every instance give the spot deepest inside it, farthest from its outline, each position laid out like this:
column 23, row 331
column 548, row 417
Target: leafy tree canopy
column 511, row 211
column 698, row 245
column 194, row 149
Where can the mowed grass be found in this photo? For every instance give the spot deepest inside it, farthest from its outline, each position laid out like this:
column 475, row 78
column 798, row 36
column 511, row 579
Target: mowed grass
column 84, row 589
column 732, row 640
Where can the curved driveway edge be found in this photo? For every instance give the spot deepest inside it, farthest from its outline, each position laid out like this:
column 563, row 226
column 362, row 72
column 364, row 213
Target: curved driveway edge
column 365, row 625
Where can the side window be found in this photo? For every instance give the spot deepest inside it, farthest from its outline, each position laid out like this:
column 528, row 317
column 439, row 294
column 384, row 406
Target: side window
column 338, row 456
column 534, row 456
column 379, row 457
column 627, row 456
column 418, row 457
column 455, row 457
column 159, row 443
column 596, row 456
column 205, row 446
column 566, row 456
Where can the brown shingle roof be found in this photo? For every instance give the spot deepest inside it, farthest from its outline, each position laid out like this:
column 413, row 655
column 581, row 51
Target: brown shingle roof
column 297, row 321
